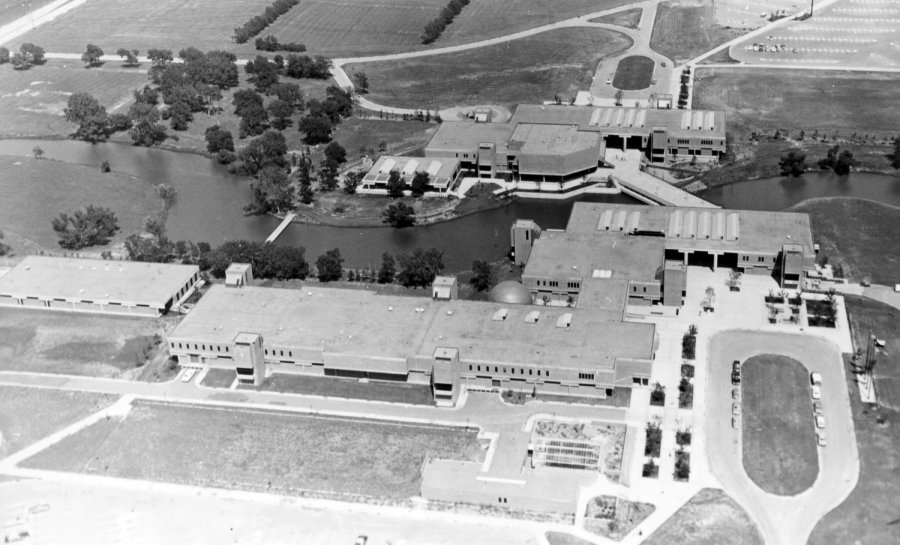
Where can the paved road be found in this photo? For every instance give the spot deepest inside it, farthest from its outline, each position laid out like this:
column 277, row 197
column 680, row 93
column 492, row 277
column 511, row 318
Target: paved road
column 783, row 520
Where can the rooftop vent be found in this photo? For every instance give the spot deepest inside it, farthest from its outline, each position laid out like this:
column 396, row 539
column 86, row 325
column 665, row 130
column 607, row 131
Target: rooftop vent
column 564, row 321
column 532, row 317
column 500, row 315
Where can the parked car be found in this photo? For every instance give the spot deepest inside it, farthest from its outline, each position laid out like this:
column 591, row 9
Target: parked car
column 361, row 540
column 820, row 438
column 735, row 378
column 736, row 366
column 735, row 410
column 188, row 375
column 735, row 422
column 609, row 81
column 735, row 393
column 815, row 379
column 816, row 392
column 817, row 408
column 820, row 422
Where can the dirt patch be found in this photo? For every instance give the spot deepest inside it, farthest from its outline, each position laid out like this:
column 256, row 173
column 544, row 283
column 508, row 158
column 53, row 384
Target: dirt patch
column 613, row 517
column 710, row 518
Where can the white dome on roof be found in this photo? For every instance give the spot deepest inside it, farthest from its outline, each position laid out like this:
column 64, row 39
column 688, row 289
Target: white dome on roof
column 511, row 292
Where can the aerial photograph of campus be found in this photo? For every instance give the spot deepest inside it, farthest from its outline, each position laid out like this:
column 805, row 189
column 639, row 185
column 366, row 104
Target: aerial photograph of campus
column 450, row 272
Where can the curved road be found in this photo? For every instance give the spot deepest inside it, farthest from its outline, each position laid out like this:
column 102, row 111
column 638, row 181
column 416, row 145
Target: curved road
column 783, row 520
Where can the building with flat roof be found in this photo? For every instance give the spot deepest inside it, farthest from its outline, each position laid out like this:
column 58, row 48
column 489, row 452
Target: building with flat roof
column 97, row 285
column 646, row 249
column 563, row 142
column 449, row 344
column 442, row 173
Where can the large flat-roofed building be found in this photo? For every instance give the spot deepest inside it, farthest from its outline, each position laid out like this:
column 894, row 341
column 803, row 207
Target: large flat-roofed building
column 646, row 249
column 562, row 143
column 448, row 344
column 97, row 286
column 442, row 173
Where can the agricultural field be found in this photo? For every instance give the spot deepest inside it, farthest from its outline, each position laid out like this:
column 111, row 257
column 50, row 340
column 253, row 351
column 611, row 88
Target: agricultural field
column 778, row 440
column 29, row 414
column 634, row 73
column 76, row 344
column 710, row 518
column 32, row 101
column 37, row 190
column 681, row 32
column 860, row 251
column 260, row 450
column 868, row 516
column 167, row 24
column 527, row 70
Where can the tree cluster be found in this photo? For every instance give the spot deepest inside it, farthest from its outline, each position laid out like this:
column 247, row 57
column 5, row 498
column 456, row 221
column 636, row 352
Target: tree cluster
column 91, row 56
column 838, row 161
column 323, row 115
column 258, row 23
column 271, row 43
column 483, row 276
column 436, row 26
column 29, row 54
column 4, row 55
column 94, row 124
column 330, row 266
column 793, row 164
column 268, row 260
column 306, row 67
column 418, row 268
column 129, row 57
column 399, row 215
column 90, row 226
column 895, row 156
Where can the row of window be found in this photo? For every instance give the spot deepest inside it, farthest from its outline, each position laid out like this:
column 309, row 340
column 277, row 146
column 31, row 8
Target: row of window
column 574, row 285
column 759, row 259
column 585, row 376
column 512, row 370
column 551, row 283
column 187, row 346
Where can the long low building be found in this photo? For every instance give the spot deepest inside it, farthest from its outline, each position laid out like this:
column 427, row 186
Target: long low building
column 97, row 285
column 448, row 344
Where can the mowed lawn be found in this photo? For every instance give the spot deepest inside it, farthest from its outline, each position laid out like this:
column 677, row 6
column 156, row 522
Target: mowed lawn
column 73, row 344
column 35, row 191
column 11, row 10
column 868, row 516
column 630, row 18
column 32, row 101
column 634, row 73
column 167, row 24
column 778, row 436
column 392, row 392
column 864, row 250
column 711, row 517
column 29, row 414
column 527, row 70
column 684, row 32
column 260, row 450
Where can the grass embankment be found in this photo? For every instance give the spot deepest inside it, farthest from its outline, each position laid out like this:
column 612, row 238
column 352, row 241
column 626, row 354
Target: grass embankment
column 629, row 18
column 859, row 235
column 869, row 515
column 260, row 450
column 79, row 344
column 219, row 378
column 527, row 70
column 29, row 414
column 684, row 32
column 35, row 191
column 391, row 392
column 778, row 438
column 830, row 107
column 710, row 518
column 563, row 538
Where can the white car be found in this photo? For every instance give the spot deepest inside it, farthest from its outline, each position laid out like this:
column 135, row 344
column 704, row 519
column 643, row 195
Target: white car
column 820, row 438
column 735, row 410
column 820, row 422
column 816, row 392
column 188, row 375
column 815, row 379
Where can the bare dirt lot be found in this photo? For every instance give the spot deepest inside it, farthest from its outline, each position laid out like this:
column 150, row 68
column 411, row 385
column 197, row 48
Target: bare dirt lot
column 260, row 450
column 709, row 518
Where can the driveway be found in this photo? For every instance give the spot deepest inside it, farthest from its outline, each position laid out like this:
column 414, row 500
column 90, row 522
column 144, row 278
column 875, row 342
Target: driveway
column 783, row 520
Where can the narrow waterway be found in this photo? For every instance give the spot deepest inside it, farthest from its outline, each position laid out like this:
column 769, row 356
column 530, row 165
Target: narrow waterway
column 210, row 200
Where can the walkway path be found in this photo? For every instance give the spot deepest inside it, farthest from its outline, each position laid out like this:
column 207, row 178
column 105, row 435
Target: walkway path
column 45, row 14
column 628, row 175
column 281, row 227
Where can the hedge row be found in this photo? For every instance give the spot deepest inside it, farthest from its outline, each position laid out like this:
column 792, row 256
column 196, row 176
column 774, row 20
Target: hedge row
column 437, row 25
column 256, row 24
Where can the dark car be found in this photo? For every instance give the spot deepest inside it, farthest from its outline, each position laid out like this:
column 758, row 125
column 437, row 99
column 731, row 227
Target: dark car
column 736, row 367
column 735, row 378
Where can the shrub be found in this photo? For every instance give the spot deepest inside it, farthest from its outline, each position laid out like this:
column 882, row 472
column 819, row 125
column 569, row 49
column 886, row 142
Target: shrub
column 654, row 440
column 683, row 437
column 658, row 395
column 687, row 370
column 685, row 394
column 682, row 465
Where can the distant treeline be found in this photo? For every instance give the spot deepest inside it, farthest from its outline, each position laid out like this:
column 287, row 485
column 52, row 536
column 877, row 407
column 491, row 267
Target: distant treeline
column 271, row 43
column 256, row 24
column 437, row 25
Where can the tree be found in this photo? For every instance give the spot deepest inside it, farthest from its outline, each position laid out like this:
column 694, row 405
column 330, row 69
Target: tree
column 328, row 172
column 90, row 116
column 272, row 192
column 395, row 185
column 482, row 275
column 844, row 163
column 306, row 194
column 399, row 215
column 288, row 92
column 330, row 266
column 266, row 150
column 793, row 164
column 420, row 267
column 244, row 99
column 145, row 130
column 253, row 121
column 263, row 73
column 155, row 226
column 336, row 153
column 20, row 62
column 388, row 269
column 91, row 56
column 352, row 180
column 4, row 55
column 280, row 112
column 317, row 129
column 148, row 248
column 160, row 57
column 130, row 57
column 87, row 227
column 420, row 183
column 34, row 54
column 361, row 82
column 38, row 152
column 218, row 139
column 895, row 156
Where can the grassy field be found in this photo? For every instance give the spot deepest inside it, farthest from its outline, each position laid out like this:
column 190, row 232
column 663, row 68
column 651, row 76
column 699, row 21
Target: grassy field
column 709, row 518
column 563, row 538
column 869, row 316
column 415, row 394
column 29, row 414
column 399, row 136
column 260, row 450
column 634, row 73
column 628, row 18
column 32, row 101
column 847, row 108
column 528, row 70
column 37, row 190
column 10, row 10
column 779, row 444
column 869, row 515
column 219, row 378
column 73, row 344
column 168, row 24
column 861, row 251
column 681, row 32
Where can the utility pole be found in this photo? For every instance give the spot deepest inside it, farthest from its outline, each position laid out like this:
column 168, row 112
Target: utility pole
column 811, row 6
